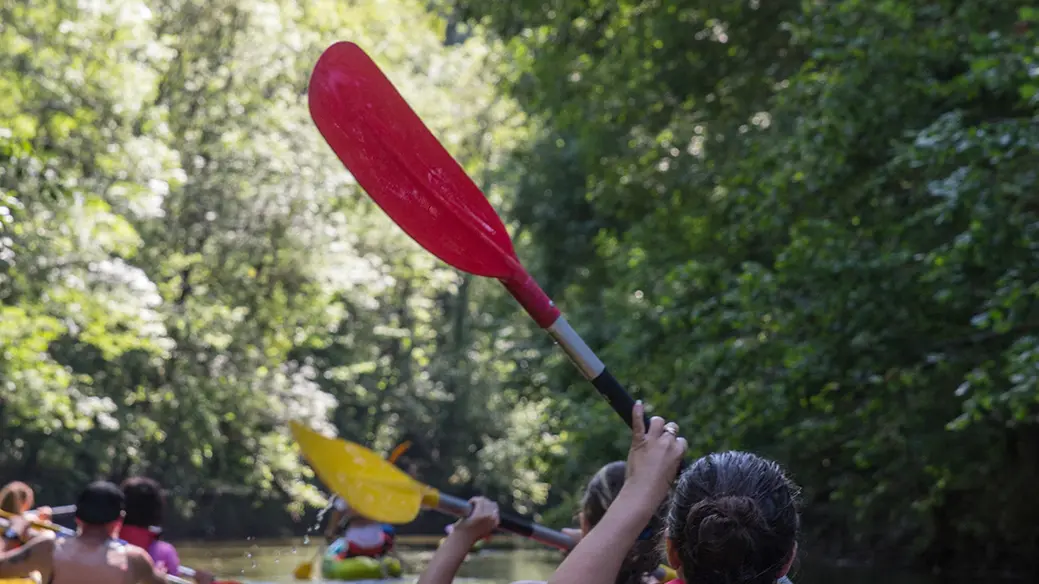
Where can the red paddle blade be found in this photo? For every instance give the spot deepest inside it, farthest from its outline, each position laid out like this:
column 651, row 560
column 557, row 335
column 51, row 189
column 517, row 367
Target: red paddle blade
column 403, row 167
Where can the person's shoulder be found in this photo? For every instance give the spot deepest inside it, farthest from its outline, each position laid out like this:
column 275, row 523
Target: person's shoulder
column 137, row 555
column 45, row 542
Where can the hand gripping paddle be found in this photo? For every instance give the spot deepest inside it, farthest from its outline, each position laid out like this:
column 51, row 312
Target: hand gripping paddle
column 410, row 175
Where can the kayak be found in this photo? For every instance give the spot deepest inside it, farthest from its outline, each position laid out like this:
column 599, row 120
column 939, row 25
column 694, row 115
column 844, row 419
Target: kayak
column 358, row 568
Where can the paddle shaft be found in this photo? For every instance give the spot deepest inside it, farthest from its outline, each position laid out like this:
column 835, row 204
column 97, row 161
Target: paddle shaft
column 544, row 312
column 520, row 526
column 514, row 524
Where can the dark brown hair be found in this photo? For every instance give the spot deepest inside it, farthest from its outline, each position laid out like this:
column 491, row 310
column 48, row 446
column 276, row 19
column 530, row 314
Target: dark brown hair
column 145, row 503
column 733, row 519
column 603, row 488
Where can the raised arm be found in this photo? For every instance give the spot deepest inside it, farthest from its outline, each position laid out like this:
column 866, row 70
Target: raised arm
column 652, row 465
column 450, row 555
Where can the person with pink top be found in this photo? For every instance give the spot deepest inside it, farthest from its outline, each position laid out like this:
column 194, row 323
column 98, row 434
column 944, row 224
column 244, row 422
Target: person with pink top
column 142, row 526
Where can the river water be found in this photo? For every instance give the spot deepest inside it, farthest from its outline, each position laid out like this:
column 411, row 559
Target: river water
column 260, row 562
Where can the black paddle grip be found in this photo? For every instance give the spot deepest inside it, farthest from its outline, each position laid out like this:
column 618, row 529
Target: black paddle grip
column 621, row 401
column 516, row 524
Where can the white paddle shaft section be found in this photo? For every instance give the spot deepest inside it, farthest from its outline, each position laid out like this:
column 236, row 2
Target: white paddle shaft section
column 579, row 352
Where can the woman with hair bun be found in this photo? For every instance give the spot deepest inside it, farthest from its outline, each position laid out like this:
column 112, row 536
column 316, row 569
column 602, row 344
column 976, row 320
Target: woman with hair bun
column 733, row 519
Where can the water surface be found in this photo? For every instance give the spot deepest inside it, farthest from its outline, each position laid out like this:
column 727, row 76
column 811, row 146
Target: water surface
column 261, row 562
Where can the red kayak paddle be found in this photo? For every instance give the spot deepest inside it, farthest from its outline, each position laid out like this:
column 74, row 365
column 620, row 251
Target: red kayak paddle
column 410, row 175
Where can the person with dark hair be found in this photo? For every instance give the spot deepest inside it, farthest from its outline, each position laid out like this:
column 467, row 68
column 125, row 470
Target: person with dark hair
column 652, row 450
column 733, row 519
column 93, row 556
column 142, row 526
column 17, row 498
column 643, row 558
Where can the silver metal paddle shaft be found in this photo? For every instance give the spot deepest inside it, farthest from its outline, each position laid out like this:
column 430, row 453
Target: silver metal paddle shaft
column 573, row 345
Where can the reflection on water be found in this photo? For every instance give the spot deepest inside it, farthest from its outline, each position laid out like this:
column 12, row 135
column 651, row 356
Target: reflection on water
column 274, row 562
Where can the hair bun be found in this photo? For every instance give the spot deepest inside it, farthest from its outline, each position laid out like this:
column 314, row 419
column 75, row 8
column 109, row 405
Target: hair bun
column 724, row 531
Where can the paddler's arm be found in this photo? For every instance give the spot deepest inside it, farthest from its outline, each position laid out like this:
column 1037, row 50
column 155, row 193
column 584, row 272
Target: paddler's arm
column 449, row 556
column 655, row 455
column 34, row 556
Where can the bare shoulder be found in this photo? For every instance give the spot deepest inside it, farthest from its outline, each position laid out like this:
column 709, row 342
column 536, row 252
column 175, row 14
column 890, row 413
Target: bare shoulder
column 142, row 567
column 36, row 555
column 139, row 560
column 138, row 557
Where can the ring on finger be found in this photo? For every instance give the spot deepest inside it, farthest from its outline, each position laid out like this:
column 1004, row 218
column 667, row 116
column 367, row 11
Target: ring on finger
column 671, row 428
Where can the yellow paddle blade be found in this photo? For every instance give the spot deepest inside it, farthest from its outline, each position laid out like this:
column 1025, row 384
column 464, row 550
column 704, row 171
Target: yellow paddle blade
column 374, row 488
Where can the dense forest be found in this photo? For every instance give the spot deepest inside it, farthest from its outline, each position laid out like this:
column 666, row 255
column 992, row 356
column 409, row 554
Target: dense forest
column 807, row 229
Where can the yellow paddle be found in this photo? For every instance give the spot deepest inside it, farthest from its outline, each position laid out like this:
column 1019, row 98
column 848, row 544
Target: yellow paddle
column 305, row 570
column 382, row 492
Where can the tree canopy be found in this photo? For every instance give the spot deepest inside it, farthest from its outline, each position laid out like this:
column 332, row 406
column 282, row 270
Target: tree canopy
column 808, row 229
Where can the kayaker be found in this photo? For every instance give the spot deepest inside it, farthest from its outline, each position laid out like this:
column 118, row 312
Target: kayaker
column 93, row 556
column 604, row 488
column 142, row 525
column 732, row 517
column 363, row 537
column 17, row 498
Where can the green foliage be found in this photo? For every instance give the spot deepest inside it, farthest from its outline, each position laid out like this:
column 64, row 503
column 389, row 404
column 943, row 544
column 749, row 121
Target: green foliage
column 185, row 265
column 803, row 228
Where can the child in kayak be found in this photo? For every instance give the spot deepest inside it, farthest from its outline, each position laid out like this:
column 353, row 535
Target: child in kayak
column 733, row 517
column 603, row 489
column 17, row 498
column 351, row 535
column 142, row 524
